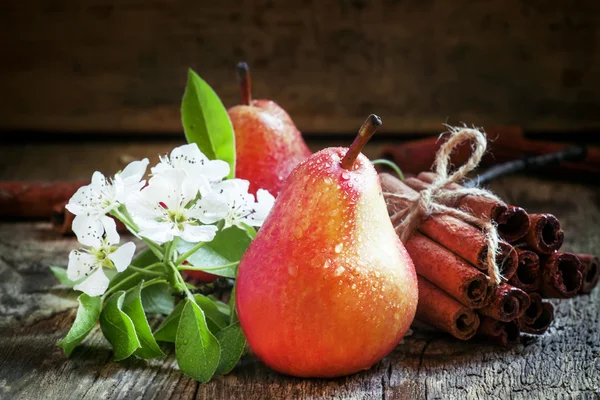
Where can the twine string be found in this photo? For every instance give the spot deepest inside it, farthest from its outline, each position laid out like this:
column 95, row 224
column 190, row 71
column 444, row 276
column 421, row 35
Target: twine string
column 437, row 198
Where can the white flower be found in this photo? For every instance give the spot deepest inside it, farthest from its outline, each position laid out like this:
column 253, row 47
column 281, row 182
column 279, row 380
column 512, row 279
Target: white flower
column 166, row 209
column 88, row 263
column 190, row 159
column 91, row 203
column 240, row 205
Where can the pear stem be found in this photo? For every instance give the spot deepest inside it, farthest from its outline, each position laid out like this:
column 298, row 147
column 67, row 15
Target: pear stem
column 243, row 73
column 368, row 129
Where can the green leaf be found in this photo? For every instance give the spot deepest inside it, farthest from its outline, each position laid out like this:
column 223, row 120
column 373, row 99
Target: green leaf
column 157, row 299
column 216, row 319
column 233, row 342
column 118, row 328
column 167, row 331
column 249, row 230
column 142, row 260
column 61, row 275
column 227, row 247
column 196, row 348
column 87, row 316
column 132, row 306
column 224, row 308
column 206, row 122
column 233, row 317
column 212, row 313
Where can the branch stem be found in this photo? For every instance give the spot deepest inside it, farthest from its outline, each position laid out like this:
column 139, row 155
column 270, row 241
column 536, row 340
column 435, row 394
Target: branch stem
column 243, row 73
column 368, row 129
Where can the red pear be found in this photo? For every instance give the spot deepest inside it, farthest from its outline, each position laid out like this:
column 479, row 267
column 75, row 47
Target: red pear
column 268, row 145
column 326, row 288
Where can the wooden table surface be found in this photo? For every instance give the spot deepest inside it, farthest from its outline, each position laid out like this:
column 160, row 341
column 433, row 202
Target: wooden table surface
column 36, row 312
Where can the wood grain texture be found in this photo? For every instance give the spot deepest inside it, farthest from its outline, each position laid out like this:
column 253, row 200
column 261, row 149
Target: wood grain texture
column 121, row 65
column 35, row 312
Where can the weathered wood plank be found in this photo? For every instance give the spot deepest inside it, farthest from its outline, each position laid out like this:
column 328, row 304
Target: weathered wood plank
column 78, row 161
column 121, row 65
column 563, row 363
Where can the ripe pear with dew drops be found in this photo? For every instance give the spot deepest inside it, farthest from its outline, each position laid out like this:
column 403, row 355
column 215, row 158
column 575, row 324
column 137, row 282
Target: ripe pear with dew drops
column 268, row 145
column 326, row 288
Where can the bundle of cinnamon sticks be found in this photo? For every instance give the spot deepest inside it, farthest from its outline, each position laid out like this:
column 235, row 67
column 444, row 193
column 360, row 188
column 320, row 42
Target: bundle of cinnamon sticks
column 450, row 255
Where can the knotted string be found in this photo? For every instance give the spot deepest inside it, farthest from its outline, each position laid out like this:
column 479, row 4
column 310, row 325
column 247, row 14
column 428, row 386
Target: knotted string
column 437, row 199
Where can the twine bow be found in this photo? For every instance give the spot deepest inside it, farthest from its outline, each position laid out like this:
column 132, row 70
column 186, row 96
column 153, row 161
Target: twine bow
column 437, row 199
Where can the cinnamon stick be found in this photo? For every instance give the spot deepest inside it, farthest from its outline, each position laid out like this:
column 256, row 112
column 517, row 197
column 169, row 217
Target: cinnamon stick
column 507, row 303
column 528, row 276
column 512, row 221
column 438, row 309
column 448, row 271
column 544, row 234
column 31, row 200
column 507, row 334
column 541, row 323
column 509, row 144
column 454, row 234
column 533, row 312
column 590, row 272
column 561, row 275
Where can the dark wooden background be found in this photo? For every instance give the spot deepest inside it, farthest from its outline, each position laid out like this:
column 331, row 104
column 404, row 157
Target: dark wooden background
column 120, row 66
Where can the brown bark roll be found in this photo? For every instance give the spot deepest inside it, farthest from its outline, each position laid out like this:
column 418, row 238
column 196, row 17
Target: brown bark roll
column 438, row 309
column 448, row 271
column 34, row 199
column 541, row 323
column 415, row 184
column 506, row 304
column 507, row 334
column 533, row 312
column 454, row 234
column 513, row 222
column 544, row 234
column 561, row 275
column 528, row 276
column 590, row 272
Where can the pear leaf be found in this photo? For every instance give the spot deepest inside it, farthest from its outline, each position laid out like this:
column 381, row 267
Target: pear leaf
column 233, row 342
column 216, row 318
column 225, row 249
column 196, row 348
column 212, row 313
column 157, row 299
column 87, row 316
column 118, row 328
column 233, row 317
column 167, row 331
column 132, row 306
column 206, row 122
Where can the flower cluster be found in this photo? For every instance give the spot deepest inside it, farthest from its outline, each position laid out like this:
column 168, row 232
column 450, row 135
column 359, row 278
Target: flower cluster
column 186, row 197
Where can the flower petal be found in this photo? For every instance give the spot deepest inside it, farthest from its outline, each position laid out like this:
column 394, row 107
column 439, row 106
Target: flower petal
column 98, row 180
column 216, row 170
column 134, row 171
column 209, row 209
column 122, row 256
column 80, row 264
column 81, row 200
column 95, row 285
column 187, row 155
column 88, row 230
column 110, row 229
column 202, row 233
column 160, row 234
